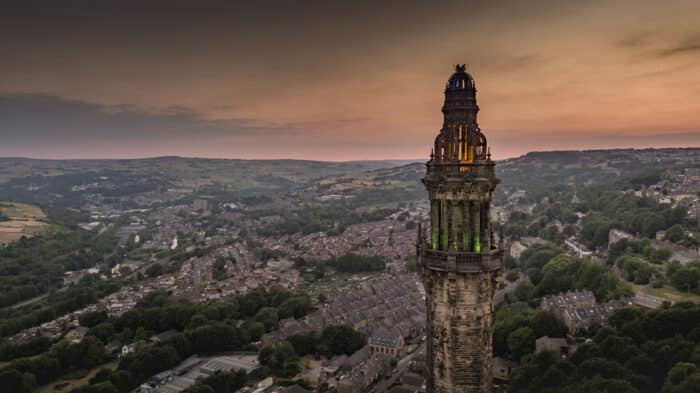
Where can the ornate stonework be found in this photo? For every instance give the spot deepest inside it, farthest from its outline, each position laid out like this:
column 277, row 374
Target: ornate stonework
column 458, row 259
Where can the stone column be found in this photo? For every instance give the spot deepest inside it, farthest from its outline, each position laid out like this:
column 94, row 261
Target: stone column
column 476, row 226
column 434, row 224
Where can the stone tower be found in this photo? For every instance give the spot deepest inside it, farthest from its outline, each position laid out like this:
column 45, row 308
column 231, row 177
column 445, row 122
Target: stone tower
column 458, row 259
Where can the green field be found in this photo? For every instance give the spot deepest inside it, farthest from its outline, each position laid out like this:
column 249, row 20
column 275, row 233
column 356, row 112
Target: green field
column 66, row 384
column 25, row 220
column 674, row 295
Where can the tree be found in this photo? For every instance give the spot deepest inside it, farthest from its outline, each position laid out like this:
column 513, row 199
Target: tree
column 547, row 323
column 251, row 331
column 304, row 343
column 355, row 263
column 221, row 382
column 675, row 234
column 140, row 333
column 523, row 292
column 268, row 317
column 678, row 375
column 510, row 262
column 342, row 339
column 13, row 381
column 551, row 232
column 154, row 270
column 197, row 320
column 686, row 279
column 512, row 276
column 322, row 298
column 103, row 331
column 199, row 388
column 102, row 375
column 595, row 230
column 250, row 303
column 90, row 319
column 281, row 359
column 521, row 342
column 149, row 360
column 538, row 255
column 86, row 354
column 102, row 387
column 213, row 337
column 566, row 272
column 295, row 306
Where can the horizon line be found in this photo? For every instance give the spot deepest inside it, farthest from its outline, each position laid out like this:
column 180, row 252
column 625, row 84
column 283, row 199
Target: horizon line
column 317, row 160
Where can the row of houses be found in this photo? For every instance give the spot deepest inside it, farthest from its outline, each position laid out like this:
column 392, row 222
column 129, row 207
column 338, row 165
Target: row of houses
column 387, row 310
column 579, row 309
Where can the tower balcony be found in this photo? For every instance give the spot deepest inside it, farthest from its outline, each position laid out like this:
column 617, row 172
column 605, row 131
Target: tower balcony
column 460, row 261
column 478, row 169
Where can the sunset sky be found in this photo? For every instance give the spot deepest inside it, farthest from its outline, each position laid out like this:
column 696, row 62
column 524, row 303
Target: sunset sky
column 342, row 80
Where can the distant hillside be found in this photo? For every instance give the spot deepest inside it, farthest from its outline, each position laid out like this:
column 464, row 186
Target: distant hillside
column 538, row 171
column 384, row 185
column 534, row 172
column 194, row 172
column 365, row 182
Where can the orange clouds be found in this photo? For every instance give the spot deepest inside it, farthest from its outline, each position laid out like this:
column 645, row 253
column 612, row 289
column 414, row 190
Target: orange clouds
column 334, row 82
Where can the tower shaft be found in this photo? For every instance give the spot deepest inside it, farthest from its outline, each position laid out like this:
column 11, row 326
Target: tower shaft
column 459, row 261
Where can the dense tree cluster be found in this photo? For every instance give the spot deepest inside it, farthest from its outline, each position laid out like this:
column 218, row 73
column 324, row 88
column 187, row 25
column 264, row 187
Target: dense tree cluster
column 113, row 185
column 641, row 351
column 31, row 347
column 331, row 218
column 281, row 359
column 517, row 326
column 90, row 289
column 641, row 248
column 31, row 266
column 565, row 273
column 551, row 271
column 219, row 382
column 680, row 235
column 61, row 359
column 615, row 209
column 354, row 263
column 633, row 258
column 636, row 270
column 231, row 324
column 533, row 259
column 685, row 278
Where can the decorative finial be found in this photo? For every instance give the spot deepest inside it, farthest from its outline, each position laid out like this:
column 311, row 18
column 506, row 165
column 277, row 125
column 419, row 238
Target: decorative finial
column 460, row 68
column 432, row 153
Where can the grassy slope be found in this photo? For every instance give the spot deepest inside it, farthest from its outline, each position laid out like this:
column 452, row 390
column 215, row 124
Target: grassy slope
column 25, row 220
column 57, row 386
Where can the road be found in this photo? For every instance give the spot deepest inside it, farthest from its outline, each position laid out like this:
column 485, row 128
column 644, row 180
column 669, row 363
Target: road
column 400, row 368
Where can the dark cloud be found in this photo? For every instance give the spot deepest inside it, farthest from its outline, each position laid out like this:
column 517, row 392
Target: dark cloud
column 688, row 45
column 653, row 44
column 636, row 40
column 519, row 62
column 43, row 116
column 49, row 126
column 590, row 140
